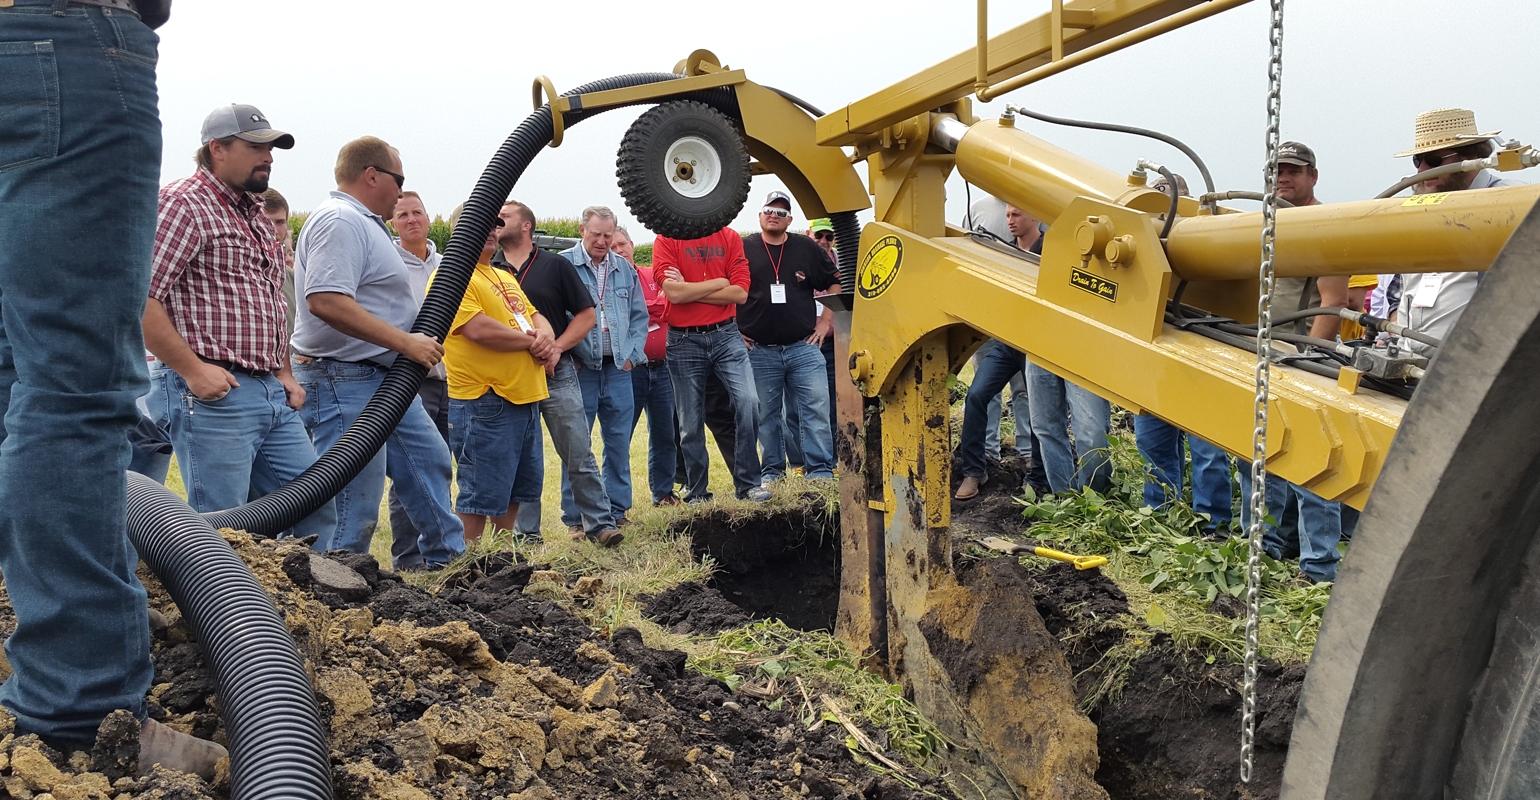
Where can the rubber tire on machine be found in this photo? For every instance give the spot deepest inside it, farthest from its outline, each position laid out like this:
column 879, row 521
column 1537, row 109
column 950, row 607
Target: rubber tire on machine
column 652, row 187
column 1425, row 681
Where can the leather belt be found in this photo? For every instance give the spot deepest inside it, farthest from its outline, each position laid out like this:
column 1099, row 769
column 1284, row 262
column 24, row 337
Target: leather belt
column 234, row 367
column 121, row 5
column 702, row 328
column 656, row 363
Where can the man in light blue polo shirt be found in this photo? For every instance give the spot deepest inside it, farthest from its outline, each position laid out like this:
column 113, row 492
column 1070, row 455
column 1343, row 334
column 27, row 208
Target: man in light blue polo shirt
column 358, row 309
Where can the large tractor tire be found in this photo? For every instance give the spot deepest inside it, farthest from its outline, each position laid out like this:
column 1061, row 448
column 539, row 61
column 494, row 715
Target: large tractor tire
column 1425, row 680
column 684, row 169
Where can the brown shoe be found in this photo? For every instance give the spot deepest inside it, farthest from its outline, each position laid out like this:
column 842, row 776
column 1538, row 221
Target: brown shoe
column 670, row 500
column 609, row 537
column 969, row 488
column 576, row 532
column 172, row 749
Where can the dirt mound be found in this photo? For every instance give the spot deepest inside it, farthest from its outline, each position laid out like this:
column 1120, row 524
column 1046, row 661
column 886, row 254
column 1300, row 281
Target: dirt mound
column 781, row 564
column 492, row 689
column 693, row 608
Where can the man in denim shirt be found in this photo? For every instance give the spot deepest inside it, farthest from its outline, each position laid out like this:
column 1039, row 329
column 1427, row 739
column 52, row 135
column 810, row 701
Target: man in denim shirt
column 607, row 354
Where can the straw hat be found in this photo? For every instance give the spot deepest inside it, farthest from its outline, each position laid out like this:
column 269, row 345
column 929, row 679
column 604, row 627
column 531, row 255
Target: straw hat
column 1443, row 128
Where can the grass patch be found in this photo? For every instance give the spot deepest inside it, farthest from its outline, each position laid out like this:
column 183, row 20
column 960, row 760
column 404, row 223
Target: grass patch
column 1172, row 574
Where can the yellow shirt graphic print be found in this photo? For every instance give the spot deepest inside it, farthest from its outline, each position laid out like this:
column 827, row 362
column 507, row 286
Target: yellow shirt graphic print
column 473, row 369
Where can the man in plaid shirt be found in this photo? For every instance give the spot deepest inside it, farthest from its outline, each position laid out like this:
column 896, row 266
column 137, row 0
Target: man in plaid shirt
column 221, row 382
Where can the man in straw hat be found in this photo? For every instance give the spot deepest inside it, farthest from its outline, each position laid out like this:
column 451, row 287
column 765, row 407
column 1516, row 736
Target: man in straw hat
column 1432, row 302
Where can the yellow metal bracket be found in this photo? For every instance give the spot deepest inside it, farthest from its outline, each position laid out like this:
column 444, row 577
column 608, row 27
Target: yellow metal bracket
column 545, row 91
column 1105, row 262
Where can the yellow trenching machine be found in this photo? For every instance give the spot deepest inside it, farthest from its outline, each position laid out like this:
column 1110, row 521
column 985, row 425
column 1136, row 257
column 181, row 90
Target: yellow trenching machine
column 1423, row 680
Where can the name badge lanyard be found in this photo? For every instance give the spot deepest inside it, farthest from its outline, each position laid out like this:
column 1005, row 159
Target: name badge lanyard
column 518, row 316
column 777, row 289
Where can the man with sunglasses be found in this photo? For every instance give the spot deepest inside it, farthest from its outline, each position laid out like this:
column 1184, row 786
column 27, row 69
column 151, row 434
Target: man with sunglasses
column 220, row 384
column 358, row 308
column 776, row 321
column 1433, row 302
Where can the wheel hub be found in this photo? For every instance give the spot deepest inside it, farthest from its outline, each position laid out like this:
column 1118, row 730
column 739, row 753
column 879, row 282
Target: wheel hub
column 692, row 166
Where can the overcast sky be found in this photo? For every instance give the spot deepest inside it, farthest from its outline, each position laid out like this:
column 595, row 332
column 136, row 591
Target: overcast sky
column 445, row 82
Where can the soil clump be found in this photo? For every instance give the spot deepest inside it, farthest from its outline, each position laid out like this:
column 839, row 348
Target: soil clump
column 693, row 607
column 780, row 564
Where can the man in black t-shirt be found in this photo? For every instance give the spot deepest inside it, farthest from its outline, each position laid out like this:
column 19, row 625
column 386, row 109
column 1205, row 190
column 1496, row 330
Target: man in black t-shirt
column 552, row 284
column 785, row 269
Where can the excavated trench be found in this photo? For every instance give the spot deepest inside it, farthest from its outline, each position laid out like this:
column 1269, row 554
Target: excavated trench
column 782, row 564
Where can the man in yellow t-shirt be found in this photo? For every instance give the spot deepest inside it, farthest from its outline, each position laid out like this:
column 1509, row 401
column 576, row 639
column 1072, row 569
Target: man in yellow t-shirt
column 496, row 355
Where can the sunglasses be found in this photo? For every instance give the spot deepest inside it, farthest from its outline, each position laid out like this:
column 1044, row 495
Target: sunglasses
column 772, row 211
column 400, row 179
column 1427, row 161
column 824, row 235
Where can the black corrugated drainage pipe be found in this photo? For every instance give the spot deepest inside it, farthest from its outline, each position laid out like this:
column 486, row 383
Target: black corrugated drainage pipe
column 273, row 726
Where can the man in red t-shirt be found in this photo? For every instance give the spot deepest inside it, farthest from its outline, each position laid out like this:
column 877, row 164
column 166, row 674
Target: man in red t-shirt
column 704, row 280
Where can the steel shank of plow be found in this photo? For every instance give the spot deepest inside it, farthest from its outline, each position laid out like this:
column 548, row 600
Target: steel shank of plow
column 1424, row 679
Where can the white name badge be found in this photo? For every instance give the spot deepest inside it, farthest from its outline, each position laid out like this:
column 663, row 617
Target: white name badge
column 777, row 292
column 524, row 324
column 1427, row 290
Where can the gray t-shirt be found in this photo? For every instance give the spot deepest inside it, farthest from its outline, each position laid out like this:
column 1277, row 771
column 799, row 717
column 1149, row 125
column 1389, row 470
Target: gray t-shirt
column 345, row 248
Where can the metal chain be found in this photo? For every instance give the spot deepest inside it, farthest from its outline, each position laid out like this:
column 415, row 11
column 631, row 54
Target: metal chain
column 1259, row 433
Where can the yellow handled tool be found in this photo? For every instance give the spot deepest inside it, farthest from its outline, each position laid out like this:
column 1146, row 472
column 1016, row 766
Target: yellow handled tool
column 1016, row 548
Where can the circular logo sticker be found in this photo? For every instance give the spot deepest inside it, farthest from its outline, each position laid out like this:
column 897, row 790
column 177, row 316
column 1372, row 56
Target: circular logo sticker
column 880, row 266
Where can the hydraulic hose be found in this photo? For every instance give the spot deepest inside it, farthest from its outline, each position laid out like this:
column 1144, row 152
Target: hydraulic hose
column 1471, row 165
column 278, row 748
column 1208, row 179
column 280, row 510
column 1214, row 197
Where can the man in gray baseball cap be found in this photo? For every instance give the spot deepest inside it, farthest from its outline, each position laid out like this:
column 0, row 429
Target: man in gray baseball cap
column 242, row 121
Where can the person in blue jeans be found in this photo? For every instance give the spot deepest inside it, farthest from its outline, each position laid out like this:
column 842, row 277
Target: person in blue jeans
column 552, row 284
column 1021, row 411
column 996, row 367
column 652, row 390
column 221, row 386
column 355, row 318
column 79, row 166
column 1057, row 405
column 705, row 279
column 786, row 270
column 607, row 355
column 1161, row 445
column 1306, row 525
column 999, row 364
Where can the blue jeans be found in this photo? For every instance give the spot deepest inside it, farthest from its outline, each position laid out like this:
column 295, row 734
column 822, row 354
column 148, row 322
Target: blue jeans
column 994, row 369
column 1161, row 445
column 80, row 152
column 792, row 420
column 653, row 390
column 794, row 374
column 434, row 395
column 242, row 446
column 1056, row 405
column 607, row 397
column 1307, row 525
column 691, row 357
column 1021, row 411
column 415, row 458
column 492, row 440
column 571, row 436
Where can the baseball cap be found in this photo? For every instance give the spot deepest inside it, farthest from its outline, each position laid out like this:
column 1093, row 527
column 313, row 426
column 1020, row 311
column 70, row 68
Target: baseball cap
column 778, row 196
column 822, row 224
column 246, row 122
column 1296, row 153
